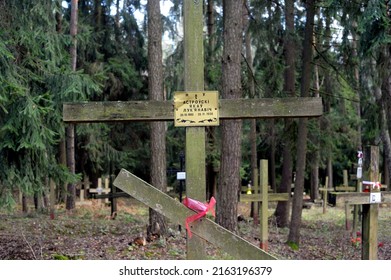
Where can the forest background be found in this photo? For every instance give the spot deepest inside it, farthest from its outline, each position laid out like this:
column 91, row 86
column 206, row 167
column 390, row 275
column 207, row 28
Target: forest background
column 337, row 50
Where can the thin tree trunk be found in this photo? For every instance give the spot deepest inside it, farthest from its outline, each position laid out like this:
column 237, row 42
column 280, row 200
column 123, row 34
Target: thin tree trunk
column 211, row 28
column 229, row 180
column 282, row 210
column 62, row 146
column 157, row 223
column 24, row 204
column 71, row 189
column 272, row 154
column 356, row 71
column 211, row 173
column 61, row 191
column 315, row 154
column 297, row 203
column 252, row 94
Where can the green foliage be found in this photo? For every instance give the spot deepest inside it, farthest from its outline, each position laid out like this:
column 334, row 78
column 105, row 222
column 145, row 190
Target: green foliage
column 375, row 26
column 293, row 245
column 60, row 257
column 37, row 78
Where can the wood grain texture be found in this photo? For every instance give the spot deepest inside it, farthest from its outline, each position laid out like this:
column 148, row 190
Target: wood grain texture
column 149, row 110
column 205, row 229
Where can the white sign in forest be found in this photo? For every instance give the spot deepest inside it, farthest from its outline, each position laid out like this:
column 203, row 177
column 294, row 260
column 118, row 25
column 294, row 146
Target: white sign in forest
column 196, row 108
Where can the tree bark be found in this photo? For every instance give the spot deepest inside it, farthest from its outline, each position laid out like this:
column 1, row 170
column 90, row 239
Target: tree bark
column 71, row 189
column 297, row 203
column 211, row 173
column 315, row 154
column 157, row 223
column 229, row 180
column 211, row 28
column 282, row 210
column 62, row 145
column 252, row 94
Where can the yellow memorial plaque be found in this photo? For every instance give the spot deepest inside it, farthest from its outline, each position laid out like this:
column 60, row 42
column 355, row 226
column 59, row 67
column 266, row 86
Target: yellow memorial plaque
column 196, row 108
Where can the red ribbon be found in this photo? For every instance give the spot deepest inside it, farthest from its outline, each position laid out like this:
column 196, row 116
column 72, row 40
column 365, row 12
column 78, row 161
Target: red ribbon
column 201, row 209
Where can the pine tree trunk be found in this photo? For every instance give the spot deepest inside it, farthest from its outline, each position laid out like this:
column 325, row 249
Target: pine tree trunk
column 253, row 122
column 315, row 154
column 62, row 145
column 297, row 203
column 211, row 173
column 157, row 224
column 229, row 180
column 272, row 155
column 356, row 71
column 61, row 190
column 282, row 210
column 211, row 28
column 24, row 204
column 387, row 122
column 71, row 189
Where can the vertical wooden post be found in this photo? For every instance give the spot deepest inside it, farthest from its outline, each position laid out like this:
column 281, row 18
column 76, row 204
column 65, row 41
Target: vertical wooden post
column 86, row 185
column 347, row 207
column 99, row 189
column 325, row 194
column 113, row 200
column 81, row 195
column 345, row 178
column 255, row 204
column 347, row 223
column 356, row 210
column 195, row 136
column 370, row 212
column 263, row 168
column 106, row 187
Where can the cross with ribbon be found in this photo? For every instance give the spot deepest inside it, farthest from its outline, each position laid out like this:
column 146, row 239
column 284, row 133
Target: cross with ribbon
column 201, row 208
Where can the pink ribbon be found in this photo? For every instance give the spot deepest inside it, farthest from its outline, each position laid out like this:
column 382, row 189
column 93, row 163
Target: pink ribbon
column 201, row 209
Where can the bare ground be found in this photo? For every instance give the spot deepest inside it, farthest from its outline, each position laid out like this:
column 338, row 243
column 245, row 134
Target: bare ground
column 89, row 233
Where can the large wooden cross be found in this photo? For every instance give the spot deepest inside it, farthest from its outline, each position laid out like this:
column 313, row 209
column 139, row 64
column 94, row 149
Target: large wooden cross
column 86, row 112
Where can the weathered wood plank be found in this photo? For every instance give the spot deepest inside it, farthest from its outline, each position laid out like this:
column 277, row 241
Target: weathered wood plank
column 359, row 198
column 258, row 197
column 206, row 229
column 345, row 188
column 195, row 136
column 264, row 213
column 195, row 182
column 151, row 110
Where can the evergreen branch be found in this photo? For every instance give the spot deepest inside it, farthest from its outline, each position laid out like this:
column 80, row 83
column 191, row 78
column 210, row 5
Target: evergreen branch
column 339, row 75
column 250, row 69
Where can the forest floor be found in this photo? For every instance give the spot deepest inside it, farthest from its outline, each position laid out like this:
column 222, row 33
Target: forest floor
column 89, row 233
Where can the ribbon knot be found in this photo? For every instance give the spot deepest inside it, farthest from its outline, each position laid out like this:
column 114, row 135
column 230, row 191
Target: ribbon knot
column 375, row 185
column 201, row 208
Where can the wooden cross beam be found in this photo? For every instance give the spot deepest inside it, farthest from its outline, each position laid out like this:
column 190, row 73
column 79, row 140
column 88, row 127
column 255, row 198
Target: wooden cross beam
column 271, row 197
column 126, row 111
column 206, row 229
column 360, row 198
